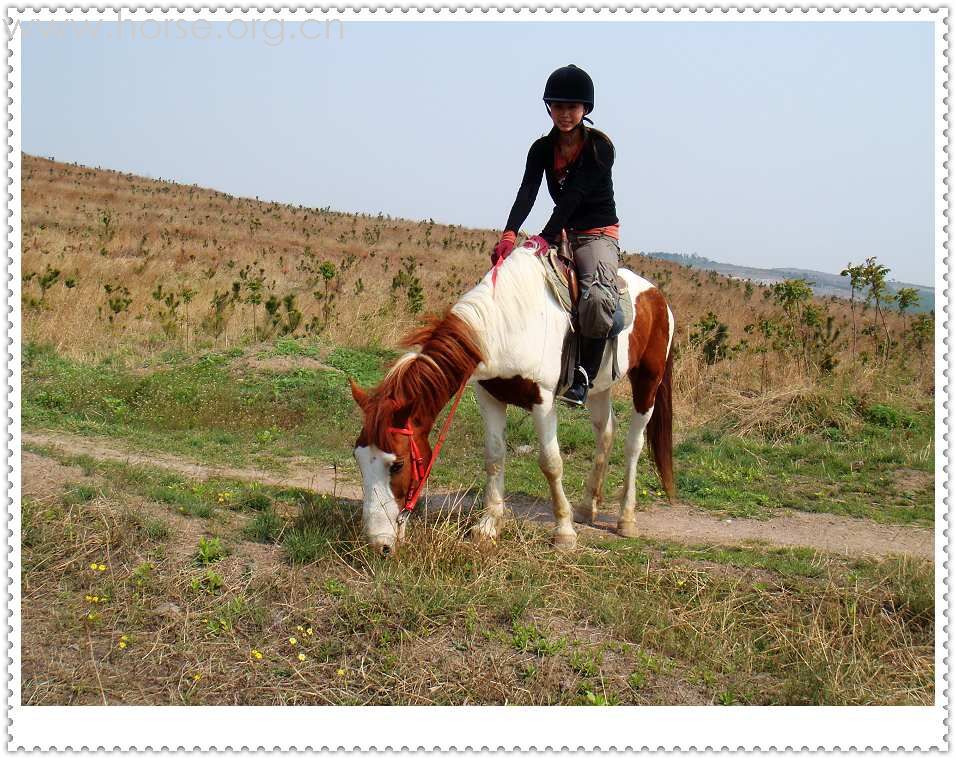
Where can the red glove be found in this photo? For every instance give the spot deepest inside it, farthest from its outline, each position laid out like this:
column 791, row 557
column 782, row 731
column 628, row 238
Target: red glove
column 540, row 244
column 504, row 247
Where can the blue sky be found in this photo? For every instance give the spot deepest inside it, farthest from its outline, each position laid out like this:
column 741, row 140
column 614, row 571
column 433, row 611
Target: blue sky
column 758, row 143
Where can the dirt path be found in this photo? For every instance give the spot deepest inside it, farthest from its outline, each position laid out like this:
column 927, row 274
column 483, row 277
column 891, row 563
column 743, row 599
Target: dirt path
column 314, row 477
column 679, row 522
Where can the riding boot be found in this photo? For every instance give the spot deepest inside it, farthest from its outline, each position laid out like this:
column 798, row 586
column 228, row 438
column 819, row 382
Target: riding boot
column 591, row 351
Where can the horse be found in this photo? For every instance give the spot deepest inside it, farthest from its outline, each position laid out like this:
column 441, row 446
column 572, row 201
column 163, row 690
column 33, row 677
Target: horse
column 504, row 337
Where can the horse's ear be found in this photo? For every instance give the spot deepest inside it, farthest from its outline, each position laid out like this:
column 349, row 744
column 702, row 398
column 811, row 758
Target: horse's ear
column 401, row 414
column 360, row 396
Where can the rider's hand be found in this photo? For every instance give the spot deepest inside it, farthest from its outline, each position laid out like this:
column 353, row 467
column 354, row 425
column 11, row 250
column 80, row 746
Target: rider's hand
column 504, row 247
column 541, row 245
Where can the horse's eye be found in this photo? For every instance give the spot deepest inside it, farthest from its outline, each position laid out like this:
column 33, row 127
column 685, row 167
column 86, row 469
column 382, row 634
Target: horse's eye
column 396, row 467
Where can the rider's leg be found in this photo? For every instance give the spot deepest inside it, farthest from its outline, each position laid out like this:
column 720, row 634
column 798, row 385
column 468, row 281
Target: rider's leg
column 591, row 254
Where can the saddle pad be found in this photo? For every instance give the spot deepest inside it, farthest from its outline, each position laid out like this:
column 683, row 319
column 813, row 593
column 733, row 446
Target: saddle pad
column 558, row 284
column 556, row 281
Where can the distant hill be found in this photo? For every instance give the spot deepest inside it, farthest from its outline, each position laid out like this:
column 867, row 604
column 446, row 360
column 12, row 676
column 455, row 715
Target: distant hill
column 823, row 283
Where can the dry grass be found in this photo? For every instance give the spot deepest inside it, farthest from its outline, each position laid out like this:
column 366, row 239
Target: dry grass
column 161, row 233
column 616, row 622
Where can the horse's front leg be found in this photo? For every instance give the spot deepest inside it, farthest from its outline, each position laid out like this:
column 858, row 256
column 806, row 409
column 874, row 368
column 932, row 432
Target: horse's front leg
column 546, row 425
column 493, row 412
column 602, row 420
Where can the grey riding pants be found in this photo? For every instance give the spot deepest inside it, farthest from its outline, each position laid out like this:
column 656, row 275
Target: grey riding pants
column 596, row 259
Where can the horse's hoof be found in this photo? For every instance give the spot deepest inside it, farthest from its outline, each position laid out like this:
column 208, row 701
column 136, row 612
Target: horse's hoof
column 627, row 529
column 584, row 515
column 564, row 541
column 483, row 544
column 485, row 532
column 480, row 538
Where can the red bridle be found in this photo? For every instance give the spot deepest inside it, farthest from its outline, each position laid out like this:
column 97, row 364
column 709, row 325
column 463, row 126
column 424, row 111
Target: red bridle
column 420, row 470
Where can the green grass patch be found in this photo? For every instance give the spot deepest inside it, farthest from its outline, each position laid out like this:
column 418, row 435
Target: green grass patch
column 849, row 463
column 265, row 527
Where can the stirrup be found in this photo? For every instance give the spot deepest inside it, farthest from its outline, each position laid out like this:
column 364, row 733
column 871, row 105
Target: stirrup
column 571, row 399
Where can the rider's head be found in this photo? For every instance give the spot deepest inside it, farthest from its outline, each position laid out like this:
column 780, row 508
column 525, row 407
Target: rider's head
column 569, row 96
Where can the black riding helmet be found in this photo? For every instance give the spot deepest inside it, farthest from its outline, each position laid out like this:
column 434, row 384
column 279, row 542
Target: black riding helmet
column 569, row 84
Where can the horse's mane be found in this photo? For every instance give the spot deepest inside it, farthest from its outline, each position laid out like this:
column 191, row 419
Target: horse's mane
column 424, row 381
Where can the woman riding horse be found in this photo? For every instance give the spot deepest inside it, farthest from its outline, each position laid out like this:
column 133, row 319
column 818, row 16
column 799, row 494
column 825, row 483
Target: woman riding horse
column 504, row 336
column 576, row 160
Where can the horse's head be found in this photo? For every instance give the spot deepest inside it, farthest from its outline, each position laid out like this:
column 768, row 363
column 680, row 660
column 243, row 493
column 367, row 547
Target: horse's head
column 385, row 452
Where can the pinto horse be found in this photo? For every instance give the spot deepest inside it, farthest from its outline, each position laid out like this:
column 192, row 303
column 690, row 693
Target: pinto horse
column 505, row 336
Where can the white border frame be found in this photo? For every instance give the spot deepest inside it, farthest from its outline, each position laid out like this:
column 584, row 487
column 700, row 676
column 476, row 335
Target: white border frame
column 525, row 728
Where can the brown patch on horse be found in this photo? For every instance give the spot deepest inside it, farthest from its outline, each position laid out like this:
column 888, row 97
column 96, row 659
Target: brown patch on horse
column 517, row 391
column 417, row 389
column 650, row 375
column 650, row 327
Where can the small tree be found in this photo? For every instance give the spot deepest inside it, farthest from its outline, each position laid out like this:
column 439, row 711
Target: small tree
column 906, row 298
column 710, row 335
column 824, row 344
column 920, row 335
column 793, row 295
column 46, row 280
column 874, row 276
column 857, row 282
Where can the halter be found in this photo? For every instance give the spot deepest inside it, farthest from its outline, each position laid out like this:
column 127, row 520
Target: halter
column 420, row 470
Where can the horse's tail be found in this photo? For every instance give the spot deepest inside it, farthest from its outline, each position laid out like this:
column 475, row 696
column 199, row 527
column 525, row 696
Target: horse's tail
column 660, row 430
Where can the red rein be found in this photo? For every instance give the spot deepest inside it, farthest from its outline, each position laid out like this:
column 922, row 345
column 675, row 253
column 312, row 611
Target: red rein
column 420, row 471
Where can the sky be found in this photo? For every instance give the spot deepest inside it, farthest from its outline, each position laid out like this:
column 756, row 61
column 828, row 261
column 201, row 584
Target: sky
column 806, row 144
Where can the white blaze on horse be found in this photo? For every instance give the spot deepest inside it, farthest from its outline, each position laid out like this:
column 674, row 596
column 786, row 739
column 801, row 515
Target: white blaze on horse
column 506, row 338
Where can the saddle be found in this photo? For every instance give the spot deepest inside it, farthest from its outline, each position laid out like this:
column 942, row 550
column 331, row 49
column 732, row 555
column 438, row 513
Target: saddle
column 562, row 279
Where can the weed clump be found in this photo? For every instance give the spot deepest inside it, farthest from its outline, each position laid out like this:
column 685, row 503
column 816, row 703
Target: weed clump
column 210, row 550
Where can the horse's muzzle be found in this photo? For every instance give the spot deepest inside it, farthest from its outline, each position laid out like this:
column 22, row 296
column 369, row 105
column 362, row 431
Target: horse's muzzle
column 383, row 545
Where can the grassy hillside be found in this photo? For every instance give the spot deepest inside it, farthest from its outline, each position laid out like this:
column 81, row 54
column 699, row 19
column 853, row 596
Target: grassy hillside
column 176, row 321
column 121, row 266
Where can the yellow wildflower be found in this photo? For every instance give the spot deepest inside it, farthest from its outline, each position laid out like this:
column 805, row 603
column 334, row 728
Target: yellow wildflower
column 256, row 654
column 301, row 657
column 340, row 672
column 122, row 644
column 197, row 677
column 292, row 641
column 299, row 628
column 101, row 567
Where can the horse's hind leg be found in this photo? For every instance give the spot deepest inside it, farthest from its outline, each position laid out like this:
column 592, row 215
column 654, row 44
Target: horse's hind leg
column 602, row 420
column 626, row 523
column 549, row 458
column 644, row 381
column 493, row 412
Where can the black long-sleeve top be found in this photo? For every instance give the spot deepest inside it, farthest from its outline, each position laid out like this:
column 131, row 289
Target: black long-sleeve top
column 584, row 200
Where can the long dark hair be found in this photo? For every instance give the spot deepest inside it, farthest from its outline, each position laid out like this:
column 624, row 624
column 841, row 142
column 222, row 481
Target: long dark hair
column 590, row 133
